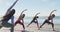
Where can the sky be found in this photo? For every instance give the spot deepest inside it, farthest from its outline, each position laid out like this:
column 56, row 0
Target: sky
column 44, row 7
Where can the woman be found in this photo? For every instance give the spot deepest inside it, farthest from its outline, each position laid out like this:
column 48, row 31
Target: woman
column 35, row 21
column 51, row 16
column 21, row 17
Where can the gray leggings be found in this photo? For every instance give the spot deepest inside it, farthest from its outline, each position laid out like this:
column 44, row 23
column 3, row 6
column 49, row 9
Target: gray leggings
column 6, row 24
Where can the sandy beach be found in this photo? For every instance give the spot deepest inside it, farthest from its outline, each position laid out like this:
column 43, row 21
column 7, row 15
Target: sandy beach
column 33, row 28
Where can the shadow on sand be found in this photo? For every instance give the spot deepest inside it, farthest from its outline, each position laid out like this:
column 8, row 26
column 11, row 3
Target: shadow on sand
column 56, row 31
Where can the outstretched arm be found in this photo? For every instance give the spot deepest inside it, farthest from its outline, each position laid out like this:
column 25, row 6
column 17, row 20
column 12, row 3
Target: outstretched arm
column 23, row 11
column 52, row 12
column 11, row 6
column 37, row 14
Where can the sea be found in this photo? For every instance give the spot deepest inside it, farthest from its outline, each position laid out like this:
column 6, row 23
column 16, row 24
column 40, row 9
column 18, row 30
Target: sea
column 41, row 19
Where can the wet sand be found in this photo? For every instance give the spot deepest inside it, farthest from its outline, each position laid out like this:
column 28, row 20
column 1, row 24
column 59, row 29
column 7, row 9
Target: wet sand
column 33, row 28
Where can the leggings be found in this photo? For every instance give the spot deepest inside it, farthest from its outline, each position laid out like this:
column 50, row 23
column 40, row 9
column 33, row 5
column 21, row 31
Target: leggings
column 20, row 23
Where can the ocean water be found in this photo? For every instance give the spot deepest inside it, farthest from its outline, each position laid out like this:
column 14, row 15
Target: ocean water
column 41, row 19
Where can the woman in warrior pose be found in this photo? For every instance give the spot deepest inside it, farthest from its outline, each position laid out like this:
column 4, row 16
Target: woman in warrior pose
column 35, row 20
column 20, row 20
column 9, row 15
column 50, row 17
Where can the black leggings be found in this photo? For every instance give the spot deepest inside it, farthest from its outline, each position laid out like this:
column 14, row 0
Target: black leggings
column 34, row 22
column 47, row 21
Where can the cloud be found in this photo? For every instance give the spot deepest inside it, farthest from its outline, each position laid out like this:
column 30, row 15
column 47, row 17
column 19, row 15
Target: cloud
column 53, row 4
column 44, row 0
column 0, row 1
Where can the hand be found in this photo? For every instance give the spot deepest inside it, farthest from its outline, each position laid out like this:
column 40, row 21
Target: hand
column 54, row 10
column 16, row 0
column 38, row 13
column 25, row 10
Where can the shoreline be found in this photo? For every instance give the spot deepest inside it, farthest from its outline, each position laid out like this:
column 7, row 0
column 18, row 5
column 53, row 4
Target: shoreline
column 32, row 28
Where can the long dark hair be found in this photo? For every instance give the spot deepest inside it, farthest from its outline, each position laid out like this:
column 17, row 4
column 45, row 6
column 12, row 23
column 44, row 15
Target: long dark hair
column 9, row 15
column 23, row 15
column 53, row 15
